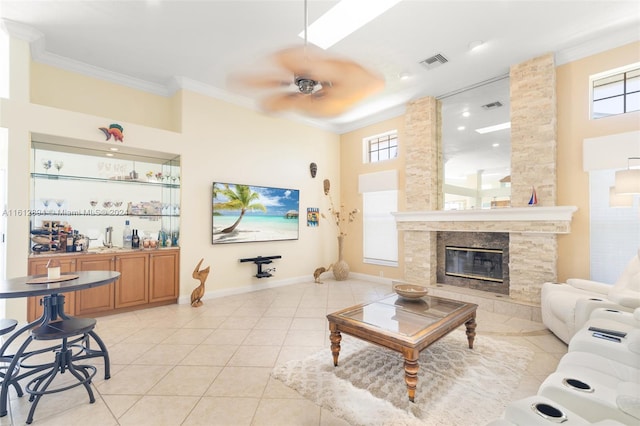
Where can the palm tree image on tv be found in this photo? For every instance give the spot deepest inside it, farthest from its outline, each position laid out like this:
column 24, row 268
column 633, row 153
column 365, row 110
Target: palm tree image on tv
column 242, row 198
column 244, row 213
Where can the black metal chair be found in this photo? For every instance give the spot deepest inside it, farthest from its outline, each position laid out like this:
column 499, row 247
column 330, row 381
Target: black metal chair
column 75, row 335
column 7, row 326
column 64, row 359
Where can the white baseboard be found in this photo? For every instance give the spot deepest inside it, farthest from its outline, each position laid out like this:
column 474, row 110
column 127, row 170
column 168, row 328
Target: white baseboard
column 215, row 294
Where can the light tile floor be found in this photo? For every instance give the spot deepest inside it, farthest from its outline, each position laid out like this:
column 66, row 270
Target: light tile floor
column 178, row 365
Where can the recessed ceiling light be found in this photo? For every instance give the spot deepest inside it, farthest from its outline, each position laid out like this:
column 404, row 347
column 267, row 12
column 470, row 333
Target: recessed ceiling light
column 404, row 76
column 113, row 148
column 489, row 129
column 495, row 145
column 476, row 45
column 343, row 19
column 461, row 127
column 466, row 114
column 109, row 154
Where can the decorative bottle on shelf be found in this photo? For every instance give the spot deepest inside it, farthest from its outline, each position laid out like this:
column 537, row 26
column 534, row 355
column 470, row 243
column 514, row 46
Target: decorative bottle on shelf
column 126, row 235
column 135, row 239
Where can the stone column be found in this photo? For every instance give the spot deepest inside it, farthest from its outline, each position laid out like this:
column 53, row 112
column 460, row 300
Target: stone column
column 423, row 155
column 423, row 182
column 533, row 165
column 533, row 131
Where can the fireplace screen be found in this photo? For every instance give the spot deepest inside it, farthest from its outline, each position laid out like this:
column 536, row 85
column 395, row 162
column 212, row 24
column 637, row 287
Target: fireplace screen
column 481, row 264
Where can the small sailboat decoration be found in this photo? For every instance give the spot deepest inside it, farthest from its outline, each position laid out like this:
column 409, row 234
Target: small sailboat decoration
column 534, row 198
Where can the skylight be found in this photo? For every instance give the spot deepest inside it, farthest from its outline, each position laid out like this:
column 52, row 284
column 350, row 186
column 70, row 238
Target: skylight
column 343, row 19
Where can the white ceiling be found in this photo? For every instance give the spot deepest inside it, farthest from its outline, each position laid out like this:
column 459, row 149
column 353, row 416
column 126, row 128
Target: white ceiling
column 160, row 45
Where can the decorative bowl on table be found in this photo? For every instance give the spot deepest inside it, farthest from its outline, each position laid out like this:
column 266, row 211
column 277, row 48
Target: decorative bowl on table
column 410, row 291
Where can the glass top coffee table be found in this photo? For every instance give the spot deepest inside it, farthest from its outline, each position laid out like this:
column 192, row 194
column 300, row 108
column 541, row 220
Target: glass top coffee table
column 404, row 325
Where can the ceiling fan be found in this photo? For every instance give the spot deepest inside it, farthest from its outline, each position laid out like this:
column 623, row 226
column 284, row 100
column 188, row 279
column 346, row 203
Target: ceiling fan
column 310, row 81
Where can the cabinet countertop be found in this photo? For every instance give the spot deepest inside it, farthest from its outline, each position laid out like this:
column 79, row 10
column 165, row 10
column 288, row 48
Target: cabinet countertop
column 105, row 250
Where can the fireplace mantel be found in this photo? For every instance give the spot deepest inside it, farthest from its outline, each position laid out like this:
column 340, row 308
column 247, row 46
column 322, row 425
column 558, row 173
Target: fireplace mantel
column 538, row 219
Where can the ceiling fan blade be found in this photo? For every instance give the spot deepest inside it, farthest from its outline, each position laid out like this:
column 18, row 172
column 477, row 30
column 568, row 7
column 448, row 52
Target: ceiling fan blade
column 324, row 103
column 310, row 81
column 300, row 60
column 260, row 81
column 281, row 102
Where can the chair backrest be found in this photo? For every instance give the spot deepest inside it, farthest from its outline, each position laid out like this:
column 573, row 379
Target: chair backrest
column 626, row 291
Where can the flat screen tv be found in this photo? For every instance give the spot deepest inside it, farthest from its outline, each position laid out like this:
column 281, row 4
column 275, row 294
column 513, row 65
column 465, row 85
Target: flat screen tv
column 248, row 213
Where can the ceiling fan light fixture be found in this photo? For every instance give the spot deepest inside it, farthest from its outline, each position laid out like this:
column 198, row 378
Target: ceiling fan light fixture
column 306, row 85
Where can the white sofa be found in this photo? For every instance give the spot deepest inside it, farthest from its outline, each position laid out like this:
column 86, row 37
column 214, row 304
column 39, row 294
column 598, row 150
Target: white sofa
column 566, row 307
column 596, row 383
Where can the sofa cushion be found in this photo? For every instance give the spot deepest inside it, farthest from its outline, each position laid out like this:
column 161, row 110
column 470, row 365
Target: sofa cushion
column 628, row 398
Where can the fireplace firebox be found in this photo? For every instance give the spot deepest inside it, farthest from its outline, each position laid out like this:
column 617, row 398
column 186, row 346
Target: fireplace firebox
column 469, row 262
column 475, row 260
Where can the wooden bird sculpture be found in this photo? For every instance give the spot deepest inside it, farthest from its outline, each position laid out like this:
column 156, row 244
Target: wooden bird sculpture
column 319, row 271
column 198, row 292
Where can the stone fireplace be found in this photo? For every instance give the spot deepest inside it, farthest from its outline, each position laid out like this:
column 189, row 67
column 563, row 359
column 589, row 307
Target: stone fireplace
column 531, row 247
column 532, row 231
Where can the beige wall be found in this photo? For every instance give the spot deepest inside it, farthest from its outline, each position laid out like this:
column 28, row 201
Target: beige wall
column 351, row 155
column 75, row 92
column 217, row 141
column 574, row 126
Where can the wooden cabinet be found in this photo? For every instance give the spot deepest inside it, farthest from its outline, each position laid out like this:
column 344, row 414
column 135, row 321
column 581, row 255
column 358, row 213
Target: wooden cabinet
column 99, row 299
column 148, row 278
column 132, row 289
column 164, row 267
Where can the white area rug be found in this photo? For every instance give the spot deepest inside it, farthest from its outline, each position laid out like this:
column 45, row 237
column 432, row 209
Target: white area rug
column 456, row 385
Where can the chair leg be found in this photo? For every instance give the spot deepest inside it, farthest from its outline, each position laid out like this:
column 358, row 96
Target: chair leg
column 92, row 353
column 38, row 381
column 63, row 362
column 4, row 388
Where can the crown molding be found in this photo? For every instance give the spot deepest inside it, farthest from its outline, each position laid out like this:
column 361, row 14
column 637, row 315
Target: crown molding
column 606, row 42
column 40, row 54
column 21, row 31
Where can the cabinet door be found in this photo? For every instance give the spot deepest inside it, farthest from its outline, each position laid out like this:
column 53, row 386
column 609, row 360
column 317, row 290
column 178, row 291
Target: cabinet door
column 98, row 299
column 132, row 288
column 39, row 267
column 164, row 275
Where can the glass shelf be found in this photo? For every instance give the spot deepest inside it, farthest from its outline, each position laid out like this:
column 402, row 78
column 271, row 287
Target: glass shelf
column 96, row 191
column 104, row 180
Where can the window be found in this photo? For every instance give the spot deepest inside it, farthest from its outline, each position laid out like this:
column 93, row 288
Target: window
column 614, row 232
column 615, row 92
column 381, row 147
column 380, row 236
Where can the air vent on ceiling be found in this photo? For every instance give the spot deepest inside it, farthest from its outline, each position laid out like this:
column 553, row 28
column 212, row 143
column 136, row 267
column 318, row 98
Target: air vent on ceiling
column 492, row 105
column 434, row 61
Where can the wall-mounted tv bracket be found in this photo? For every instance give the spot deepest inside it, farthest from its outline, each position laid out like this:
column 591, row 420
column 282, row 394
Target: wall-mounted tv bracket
column 262, row 260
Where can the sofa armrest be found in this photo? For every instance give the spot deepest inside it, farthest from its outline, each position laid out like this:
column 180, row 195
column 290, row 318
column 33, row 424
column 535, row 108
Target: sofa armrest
column 585, row 306
column 589, row 285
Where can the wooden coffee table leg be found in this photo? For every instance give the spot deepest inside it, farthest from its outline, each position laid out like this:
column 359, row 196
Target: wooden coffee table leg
column 335, row 338
column 411, row 374
column 471, row 331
